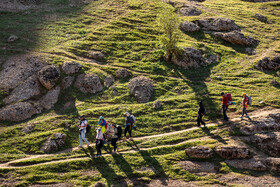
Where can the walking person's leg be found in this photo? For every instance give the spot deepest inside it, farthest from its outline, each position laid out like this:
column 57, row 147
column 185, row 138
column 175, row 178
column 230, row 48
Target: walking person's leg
column 130, row 130
column 83, row 134
column 81, row 140
column 202, row 122
column 125, row 130
column 97, row 148
column 198, row 120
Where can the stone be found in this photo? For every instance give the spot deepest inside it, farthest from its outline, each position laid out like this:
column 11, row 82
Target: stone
column 141, row 88
column 88, row 83
column 199, row 167
column 96, row 55
column 18, row 69
column 250, row 51
column 172, row 3
column 29, row 128
column 236, row 37
column 212, row 59
column 188, row 10
column 54, row 142
column 108, row 81
column 199, row 152
column 218, row 24
column 157, row 104
column 267, row 64
column 219, row 78
column 69, row 105
column 189, row 27
column 12, row 38
column 48, row 100
column 122, row 73
column 261, row 17
column 233, row 152
column 261, row 102
column 28, row 89
column 250, row 164
column 67, row 82
column 48, row 76
column 71, row 67
column 99, row 184
column 18, row 111
column 273, row 164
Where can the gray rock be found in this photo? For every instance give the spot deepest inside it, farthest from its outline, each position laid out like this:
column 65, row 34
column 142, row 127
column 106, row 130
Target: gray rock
column 269, row 64
column 108, row 81
column 122, row 73
column 199, row 152
column 27, row 129
column 250, row 51
column 88, row 83
column 261, row 17
column 18, row 111
column 67, row 82
column 250, row 164
column 96, row 55
column 218, row 24
column 157, row 104
column 199, row 167
column 141, row 88
column 189, row 27
column 212, row 59
column 236, row 37
column 29, row 88
column 12, row 38
column 48, row 100
column 71, row 67
column 273, row 164
column 233, row 152
column 69, row 105
column 54, row 143
column 48, row 76
column 188, row 10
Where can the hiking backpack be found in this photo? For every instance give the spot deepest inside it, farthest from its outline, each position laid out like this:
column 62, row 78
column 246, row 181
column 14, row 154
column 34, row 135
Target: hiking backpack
column 229, row 99
column 88, row 128
column 249, row 100
column 119, row 134
column 133, row 118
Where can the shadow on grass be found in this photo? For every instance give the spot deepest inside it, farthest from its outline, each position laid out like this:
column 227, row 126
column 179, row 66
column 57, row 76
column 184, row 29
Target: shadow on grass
column 214, row 136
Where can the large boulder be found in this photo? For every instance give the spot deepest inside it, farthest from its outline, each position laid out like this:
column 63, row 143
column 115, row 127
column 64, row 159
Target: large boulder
column 218, row 24
column 19, row 68
column 250, row 164
column 71, row 67
column 88, row 83
column 188, row 10
column 53, row 143
column 233, row 152
column 199, row 152
column 141, row 88
column 122, row 73
column 48, row 100
column 48, row 76
column 269, row 64
column 236, row 37
column 108, row 81
column 96, row 55
column 18, row 111
column 27, row 89
column 66, row 82
column 273, row 164
column 189, row 27
column 157, row 104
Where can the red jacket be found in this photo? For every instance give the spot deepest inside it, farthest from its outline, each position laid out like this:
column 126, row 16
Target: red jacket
column 225, row 100
column 245, row 101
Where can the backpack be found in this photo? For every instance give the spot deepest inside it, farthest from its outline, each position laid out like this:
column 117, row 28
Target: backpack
column 88, row 128
column 119, row 128
column 229, row 98
column 130, row 120
column 106, row 125
column 133, row 118
column 249, row 100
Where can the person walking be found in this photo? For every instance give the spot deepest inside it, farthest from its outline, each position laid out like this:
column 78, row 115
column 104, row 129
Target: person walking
column 102, row 124
column 99, row 142
column 225, row 106
column 128, row 124
column 244, row 104
column 82, row 128
column 115, row 138
column 201, row 113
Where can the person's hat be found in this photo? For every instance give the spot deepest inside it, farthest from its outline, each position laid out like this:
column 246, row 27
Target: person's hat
column 222, row 93
column 244, row 93
column 82, row 116
column 126, row 113
column 101, row 117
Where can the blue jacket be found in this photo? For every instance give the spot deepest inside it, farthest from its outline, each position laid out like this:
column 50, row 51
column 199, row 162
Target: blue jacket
column 102, row 124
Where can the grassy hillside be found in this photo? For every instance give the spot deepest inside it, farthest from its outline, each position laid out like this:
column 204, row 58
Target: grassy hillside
column 126, row 31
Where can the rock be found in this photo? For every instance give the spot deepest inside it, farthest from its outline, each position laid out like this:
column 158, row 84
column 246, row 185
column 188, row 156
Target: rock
column 190, row 58
column 197, row 0
column 108, row 81
column 115, row 91
column 67, row 82
column 189, row 27
column 188, row 10
column 96, row 55
column 48, row 76
column 199, row 167
column 236, row 37
column 250, row 164
column 258, row 1
column 54, row 143
column 157, row 104
column 218, row 24
column 233, row 152
column 29, row 88
column 88, row 83
column 219, row 78
column 48, row 100
column 269, row 64
column 273, row 164
column 199, row 152
column 27, row 129
column 12, row 38
column 71, row 67
column 18, row 111
column 99, row 184
column 261, row 17
column 261, row 102
column 18, row 69
column 212, row 59
column 141, row 88
column 250, row 51
column 122, row 73
column 172, row 3
column 69, row 105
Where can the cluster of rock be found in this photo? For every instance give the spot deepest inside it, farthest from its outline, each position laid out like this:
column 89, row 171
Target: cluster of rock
column 54, row 142
column 188, row 10
column 141, row 88
column 269, row 64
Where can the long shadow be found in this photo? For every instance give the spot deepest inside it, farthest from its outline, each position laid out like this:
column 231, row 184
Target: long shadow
column 214, row 136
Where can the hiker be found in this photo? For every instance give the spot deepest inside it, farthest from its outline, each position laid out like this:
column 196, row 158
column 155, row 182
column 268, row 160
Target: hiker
column 134, row 121
column 244, row 103
column 115, row 138
column 82, row 128
column 128, row 124
column 99, row 141
column 102, row 124
column 201, row 113
column 225, row 106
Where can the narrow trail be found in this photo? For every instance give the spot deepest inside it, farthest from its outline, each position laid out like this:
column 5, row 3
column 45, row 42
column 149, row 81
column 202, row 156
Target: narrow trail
column 255, row 114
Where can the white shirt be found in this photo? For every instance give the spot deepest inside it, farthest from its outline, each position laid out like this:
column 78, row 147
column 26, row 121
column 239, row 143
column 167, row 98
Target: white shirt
column 99, row 135
column 83, row 124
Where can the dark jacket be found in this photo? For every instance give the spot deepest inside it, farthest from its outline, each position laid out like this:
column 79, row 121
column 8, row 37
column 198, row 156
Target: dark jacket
column 201, row 109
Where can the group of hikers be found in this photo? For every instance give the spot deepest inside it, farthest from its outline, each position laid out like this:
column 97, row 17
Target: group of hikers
column 116, row 130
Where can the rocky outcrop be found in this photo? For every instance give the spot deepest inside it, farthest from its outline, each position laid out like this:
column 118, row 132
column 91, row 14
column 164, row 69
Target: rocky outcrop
column 273, row 164
column 48, row 100
column 17, row 112
column 141, row 88
column 189, row 27
column 236, row 37
column 29, row 128
column 188, row 10
column 233, row 152
column 157, row 104
column 88, row 83
column 67, row 82
column 122, row 73
column 71, row 67
column 108, row 81
column 218, row 24
column 199, row 152
column 54, row 143
column 96, row 55
column 29, row 88
column 48, row 76
column 269, row 64
column 261, row 17
column 250, row 164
